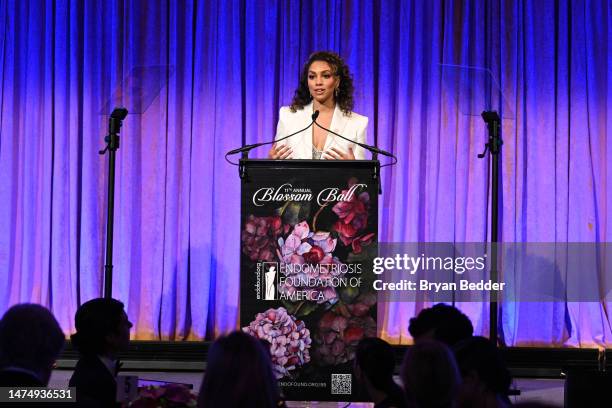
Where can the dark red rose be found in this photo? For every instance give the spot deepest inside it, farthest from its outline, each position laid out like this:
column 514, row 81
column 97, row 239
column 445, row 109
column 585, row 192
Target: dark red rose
column 346, row 232
column 315, row 255
column 353, row 335
column 353, row 216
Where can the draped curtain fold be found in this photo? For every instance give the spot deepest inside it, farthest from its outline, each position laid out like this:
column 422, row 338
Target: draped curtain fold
column 228, row 67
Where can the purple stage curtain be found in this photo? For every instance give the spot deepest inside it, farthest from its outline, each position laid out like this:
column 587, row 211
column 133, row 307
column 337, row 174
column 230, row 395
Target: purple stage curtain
column 231, row 65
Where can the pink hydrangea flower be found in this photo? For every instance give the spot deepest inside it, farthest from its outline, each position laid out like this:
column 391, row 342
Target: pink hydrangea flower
column 288, row 337
column 292, row 249
column 315, row 252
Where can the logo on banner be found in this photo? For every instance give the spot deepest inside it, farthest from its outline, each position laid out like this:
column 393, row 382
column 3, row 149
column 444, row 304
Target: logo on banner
column 283, row 193
column 267, row 282
column 286, row 192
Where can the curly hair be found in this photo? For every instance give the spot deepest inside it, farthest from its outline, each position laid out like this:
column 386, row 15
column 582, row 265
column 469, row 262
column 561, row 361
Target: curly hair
column 344, row 99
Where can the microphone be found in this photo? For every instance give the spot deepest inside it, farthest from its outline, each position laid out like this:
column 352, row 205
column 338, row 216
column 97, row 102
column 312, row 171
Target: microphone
column 248, row 148
column 372, row 149
column 119, row 113
column 116, row 117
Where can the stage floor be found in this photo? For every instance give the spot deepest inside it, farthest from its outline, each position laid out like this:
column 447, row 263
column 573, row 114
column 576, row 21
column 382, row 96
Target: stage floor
column 532, row 389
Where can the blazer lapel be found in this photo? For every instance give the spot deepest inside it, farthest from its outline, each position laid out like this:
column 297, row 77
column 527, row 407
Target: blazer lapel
column 306, row 115
column 338, row 124
column 306, row 136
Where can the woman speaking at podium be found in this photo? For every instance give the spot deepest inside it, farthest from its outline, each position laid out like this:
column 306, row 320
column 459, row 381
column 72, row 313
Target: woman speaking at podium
column 325, row 86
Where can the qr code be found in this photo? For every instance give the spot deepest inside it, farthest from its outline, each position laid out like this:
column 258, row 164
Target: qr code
column 341, row 384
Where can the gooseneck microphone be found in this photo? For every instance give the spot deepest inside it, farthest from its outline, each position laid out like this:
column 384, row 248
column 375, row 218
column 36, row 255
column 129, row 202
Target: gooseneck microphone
column 372, row 149
column 248, row 148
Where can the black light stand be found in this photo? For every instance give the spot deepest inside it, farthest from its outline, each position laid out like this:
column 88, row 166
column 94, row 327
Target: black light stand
column 112, row 144
column 493, row 146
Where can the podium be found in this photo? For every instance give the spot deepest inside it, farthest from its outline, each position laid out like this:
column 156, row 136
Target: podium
column 309, row 233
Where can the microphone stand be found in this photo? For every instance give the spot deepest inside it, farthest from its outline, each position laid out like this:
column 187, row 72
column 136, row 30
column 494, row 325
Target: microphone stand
column 112, row 145
column 493, row 146
column 376, row 175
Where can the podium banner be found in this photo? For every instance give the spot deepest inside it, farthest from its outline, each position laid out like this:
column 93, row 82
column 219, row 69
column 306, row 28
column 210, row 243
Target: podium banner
column 308, row 240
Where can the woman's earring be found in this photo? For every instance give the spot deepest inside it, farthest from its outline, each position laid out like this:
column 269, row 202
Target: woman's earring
column 336, row 92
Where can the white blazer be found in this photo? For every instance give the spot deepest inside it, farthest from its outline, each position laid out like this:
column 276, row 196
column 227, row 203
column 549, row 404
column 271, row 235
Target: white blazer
column 352, row 127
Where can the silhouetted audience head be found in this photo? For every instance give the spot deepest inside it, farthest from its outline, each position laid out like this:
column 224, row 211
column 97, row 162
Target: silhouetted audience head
column 374, row 365
column 441, row 322
column 486, row 379
column 30, row 341
column 238, row 374
column 430, row 375
column 102, row 327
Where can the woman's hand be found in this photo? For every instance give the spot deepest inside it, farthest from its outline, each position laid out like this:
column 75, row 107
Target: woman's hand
column 337, row 154
column 279, row 152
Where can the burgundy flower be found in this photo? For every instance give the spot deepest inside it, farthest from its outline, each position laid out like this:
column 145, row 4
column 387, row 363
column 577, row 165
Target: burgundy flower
column 340, row 331
column 352, row 335
column 315, row 255
column 346, row 232
column 352, row 214
column 259, row 237
column 327, row 320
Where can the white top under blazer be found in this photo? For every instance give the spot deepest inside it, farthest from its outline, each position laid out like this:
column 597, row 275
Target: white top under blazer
column 352, row 127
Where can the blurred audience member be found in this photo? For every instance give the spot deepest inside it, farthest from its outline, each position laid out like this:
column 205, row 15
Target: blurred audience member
column 238, row 375
column 30, row 341
column 102, row 331
column 430, row 375
column 442, row 323
column 486, row 379
column 374, row 364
